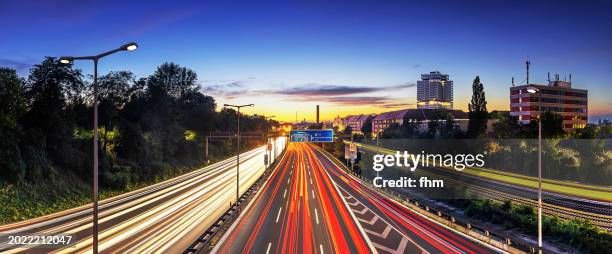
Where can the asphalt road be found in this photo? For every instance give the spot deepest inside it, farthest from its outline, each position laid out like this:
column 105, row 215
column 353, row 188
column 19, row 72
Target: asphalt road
column 162, row 218
column 310, row 205
column 297, row 211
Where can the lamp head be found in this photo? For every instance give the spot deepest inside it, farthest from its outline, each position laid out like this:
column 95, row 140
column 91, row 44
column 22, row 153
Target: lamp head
column 130, row 46
column 532, row 89
column 65, row 60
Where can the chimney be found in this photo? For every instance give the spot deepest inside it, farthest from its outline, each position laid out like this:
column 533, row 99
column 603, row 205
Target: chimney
column 527, row 63
column 317, row 113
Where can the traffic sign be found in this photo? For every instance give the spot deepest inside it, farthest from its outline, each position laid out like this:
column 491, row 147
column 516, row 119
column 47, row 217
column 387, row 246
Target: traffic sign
column 312, row 136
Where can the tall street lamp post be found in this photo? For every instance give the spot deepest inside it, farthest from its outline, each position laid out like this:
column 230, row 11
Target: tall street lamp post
column 67, row 60
column 534, row 90
column 238, row 146
column 270, row 142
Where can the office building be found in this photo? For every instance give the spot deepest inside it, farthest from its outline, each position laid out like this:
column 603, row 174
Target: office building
column 558, row 97
column 435, row 91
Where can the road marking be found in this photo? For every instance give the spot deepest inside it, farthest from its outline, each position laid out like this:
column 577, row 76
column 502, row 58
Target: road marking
column 316, row 216
column 285, row 194
column 313, row 194
column 311, row 181
column 288, row 180
column 279, row 212
column 269, row 246
column 321, row 248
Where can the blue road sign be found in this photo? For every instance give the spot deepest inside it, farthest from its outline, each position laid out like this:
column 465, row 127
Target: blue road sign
column 312, row 136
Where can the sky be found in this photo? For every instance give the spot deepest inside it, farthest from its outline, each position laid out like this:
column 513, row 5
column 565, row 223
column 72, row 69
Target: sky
column 350, row 57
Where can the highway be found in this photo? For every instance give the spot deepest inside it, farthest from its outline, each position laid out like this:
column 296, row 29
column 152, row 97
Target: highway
column 310, row 205
column 162, row 218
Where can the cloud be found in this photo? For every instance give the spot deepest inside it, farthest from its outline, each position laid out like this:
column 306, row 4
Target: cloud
column 317, row 90
column 228, row 89
column 16, row 64
column 397, row 105
column 334, row 94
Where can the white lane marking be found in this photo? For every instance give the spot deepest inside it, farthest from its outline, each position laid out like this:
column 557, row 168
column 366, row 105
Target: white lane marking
column 279, row 212
column 285, row 194
column 288, row 180
column 269, row 246
column 316, row 216
column 382, row 235
column 321, row 248
column 311, row 181
column 313, row 194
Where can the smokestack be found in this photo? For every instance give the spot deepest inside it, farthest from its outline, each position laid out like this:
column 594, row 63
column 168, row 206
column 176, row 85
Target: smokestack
column 548, row 77
column 512, row 81
column 570, row 78
column 317, row 114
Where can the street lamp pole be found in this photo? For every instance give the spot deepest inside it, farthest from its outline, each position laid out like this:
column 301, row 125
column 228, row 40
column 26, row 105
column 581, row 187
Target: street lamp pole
column 67, row 60
column 269, row 141
column 238, row 146
column 534, row 90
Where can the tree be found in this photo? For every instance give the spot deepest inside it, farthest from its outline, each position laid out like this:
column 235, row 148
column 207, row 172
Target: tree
column 114, row 91
column 442, row 124
column 478, row 110
column 11, row 108
column 507, row 126
column 410, row 129
column 394, row 131
column 552, row 125
column 366, row 128
column 53, row 91
column 348, row 130
column 174, row 80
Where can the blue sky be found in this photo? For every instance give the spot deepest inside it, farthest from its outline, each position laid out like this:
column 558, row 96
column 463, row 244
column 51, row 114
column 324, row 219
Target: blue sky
column 293, row 53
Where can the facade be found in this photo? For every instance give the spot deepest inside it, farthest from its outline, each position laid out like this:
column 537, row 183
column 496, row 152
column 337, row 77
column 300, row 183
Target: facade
column 558, row 97
column 420, row 116
column 356, row 122
column 386, row 119
column 338, row 123
column 434, row 91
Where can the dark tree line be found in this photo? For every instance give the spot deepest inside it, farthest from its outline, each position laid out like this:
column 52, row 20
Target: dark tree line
column 150, row 127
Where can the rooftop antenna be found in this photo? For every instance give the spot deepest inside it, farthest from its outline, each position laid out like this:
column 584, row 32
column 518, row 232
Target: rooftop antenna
column 548, row 77
column 570, row 78
column 512, row 81
column 527, row 63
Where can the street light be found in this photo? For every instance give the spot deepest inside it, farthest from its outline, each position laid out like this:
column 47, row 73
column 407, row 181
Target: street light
column 238, row 146
column 269, row 140
column 535, row 90
column 67, row 60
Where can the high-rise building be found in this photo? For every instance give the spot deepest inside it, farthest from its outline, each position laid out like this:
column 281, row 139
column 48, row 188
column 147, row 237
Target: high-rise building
column 434, row 91
column 558, row 97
